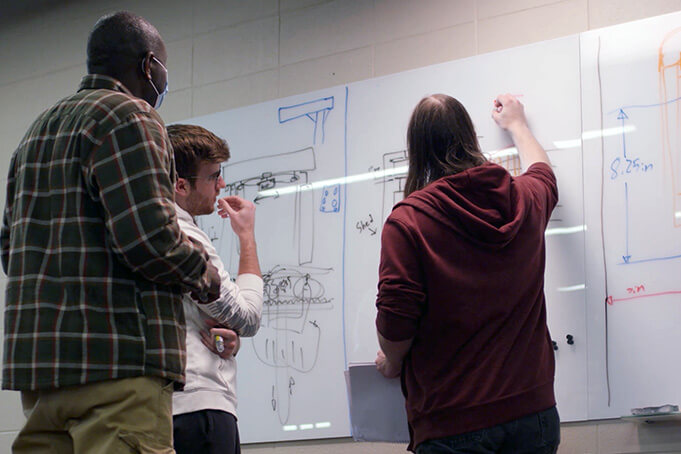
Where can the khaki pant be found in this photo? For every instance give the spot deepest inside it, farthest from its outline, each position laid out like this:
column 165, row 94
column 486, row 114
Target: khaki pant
column 131, row 415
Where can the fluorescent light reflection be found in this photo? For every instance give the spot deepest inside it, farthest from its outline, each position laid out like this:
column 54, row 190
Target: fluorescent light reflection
column 566, row 144
column 402, row 170
column 334, row 181
column 677, row 215
column 565, row 230
column 595, row 134
column 319, row 425
column 375, row 175
column 572, row 288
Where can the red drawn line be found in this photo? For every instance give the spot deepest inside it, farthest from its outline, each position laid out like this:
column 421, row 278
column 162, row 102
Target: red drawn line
column 672, row 292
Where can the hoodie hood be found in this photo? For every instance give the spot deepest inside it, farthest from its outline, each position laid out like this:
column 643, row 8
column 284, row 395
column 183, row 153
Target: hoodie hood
column 481, row 204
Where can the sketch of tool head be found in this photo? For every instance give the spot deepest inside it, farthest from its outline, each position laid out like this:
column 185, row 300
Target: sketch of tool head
column 669, row 68
column 249, row 177
column 289, row 337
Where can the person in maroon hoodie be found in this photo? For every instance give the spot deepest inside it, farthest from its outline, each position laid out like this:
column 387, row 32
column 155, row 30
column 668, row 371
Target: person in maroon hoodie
column 461, row 311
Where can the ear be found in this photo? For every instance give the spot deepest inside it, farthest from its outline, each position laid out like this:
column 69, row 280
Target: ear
column 146, row 65
column 182, row 187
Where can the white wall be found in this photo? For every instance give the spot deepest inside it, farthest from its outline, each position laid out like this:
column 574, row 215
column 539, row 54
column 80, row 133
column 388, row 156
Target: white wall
column 229, row 53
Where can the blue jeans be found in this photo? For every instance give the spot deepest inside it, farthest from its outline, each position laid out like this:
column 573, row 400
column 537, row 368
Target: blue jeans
column 538, row 433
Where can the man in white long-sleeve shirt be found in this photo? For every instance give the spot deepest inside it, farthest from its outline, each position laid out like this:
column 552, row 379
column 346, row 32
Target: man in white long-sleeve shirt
column 204, row 414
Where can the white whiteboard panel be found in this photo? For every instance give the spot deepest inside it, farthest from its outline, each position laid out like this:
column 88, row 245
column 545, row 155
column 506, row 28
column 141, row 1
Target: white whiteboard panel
column 290, row 376
column 630, row 90
column 319, row 237
column 378, row 113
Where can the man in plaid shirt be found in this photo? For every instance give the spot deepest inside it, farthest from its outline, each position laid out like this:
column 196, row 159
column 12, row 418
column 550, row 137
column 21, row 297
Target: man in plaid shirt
column 96, row 262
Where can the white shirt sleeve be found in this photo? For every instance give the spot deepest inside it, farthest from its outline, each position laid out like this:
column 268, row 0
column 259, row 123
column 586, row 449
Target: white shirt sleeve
column 239, row 306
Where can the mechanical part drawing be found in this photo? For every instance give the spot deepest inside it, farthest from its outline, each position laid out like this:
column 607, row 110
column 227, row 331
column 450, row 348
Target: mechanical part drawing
column 317, row 111
column 246, row 178
column 393, row 185
column 289, row 336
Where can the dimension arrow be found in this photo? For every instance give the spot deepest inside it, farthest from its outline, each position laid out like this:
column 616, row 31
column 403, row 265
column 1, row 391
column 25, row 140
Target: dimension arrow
column 623, row 116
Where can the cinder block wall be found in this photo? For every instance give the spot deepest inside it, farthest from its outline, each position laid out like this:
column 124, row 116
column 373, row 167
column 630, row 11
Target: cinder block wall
column 230, row 53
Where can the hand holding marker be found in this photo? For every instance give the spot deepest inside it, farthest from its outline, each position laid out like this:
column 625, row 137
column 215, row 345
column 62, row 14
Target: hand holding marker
column 498, row 106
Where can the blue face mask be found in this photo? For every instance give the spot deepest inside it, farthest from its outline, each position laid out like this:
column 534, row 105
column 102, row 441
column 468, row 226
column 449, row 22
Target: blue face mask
column 159, row 96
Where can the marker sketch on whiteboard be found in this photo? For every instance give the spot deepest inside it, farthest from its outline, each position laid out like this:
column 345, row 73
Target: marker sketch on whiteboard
column 246, row 178
column 317, row 111
column 289, row 336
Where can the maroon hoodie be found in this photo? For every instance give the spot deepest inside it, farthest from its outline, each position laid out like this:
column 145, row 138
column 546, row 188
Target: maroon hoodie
column 462, row 273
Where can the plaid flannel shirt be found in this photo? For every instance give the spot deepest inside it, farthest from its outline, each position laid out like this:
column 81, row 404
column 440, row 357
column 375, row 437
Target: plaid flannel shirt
column 95, row 259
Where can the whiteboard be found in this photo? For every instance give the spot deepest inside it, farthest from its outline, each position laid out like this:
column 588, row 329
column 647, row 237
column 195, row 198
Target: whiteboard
column 378, row 114
column 324, row 169
column 290, row 375
column 630, row 91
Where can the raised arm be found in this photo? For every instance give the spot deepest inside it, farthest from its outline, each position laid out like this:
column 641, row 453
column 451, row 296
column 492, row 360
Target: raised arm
column 509, row 114
column 241, row 214
column 240, row 304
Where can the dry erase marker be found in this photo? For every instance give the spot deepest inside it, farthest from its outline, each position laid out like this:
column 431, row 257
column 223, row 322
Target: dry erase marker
column 219, row 344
